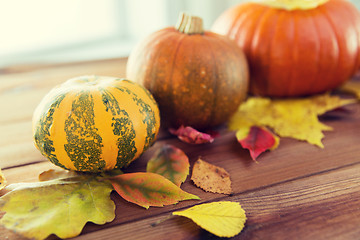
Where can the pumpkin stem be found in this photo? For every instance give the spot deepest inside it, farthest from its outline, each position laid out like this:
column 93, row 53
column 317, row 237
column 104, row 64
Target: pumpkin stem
column 189, row 24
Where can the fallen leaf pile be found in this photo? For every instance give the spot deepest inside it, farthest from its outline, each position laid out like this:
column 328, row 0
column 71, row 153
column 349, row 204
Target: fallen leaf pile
column 294, row 118
column 211, row 178
column 63, row 201
column 259, row 122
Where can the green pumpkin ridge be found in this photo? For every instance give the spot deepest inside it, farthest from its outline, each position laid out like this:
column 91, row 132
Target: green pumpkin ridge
column 42, row 135
column 84, row 145
column 144, row 89
column 110, row 102
column 122, row 126
column 148, row 116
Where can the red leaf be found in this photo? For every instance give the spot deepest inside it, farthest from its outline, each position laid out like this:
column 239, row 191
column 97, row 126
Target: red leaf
column 170, row 162
column 258, row 140
column 149, row 189
column 191, row 135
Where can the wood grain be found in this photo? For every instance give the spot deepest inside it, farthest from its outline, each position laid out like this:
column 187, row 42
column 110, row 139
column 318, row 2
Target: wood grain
column 298, row 191
column 299, row 209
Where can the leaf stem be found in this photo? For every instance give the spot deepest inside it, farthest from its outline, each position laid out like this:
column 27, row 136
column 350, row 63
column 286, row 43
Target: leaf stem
column 154, row 224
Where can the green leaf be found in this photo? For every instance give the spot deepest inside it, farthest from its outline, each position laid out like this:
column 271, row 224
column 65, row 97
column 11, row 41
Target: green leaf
column 224, row 219
column 61, row 207
column 170, row 162
column 149, row 189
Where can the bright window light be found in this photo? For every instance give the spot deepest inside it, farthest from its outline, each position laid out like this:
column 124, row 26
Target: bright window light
column 38, row 31
column 43, row 24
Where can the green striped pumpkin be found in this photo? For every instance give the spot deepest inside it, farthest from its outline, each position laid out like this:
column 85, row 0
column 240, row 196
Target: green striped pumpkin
column 95, row 123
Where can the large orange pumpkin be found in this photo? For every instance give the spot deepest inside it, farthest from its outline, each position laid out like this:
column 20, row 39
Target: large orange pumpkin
column 296, row 47
column 198, row 78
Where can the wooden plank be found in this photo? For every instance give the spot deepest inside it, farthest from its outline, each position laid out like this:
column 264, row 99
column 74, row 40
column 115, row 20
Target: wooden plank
column 253, row 176
column 315, row 207
column 319, row 207
column 21, row 92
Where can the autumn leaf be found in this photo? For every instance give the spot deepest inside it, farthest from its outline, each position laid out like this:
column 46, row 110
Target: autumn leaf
column 211, row 178
column 52, row 174
column 352, row 87
column 2, row 180
column 295, row 118
column 170, row 162
column 223, row 219
column 149, row 189
column 61, row 206
column 191, row 135
column 257, row 140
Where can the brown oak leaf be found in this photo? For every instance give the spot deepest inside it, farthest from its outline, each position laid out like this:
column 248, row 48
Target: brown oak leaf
column 211, row 178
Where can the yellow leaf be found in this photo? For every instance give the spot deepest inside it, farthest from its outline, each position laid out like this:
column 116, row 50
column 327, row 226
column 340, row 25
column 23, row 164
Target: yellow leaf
column 276, row 144
column 224, row 219
column 352, row 87
column 295, row 118
column 53, row 174
column 2, row 180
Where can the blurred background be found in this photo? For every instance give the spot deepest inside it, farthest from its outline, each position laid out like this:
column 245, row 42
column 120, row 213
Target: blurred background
column 55, row 31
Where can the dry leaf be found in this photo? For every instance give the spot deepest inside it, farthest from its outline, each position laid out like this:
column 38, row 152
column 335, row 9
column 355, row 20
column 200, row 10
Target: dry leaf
column 61, row 207
column 149, row 189
column 257, row 140
column 352, row 87
column 2, row 180
column 224, row 219
column 295, row 118
column 191, row 135
column 170, row 162
column 211, row 178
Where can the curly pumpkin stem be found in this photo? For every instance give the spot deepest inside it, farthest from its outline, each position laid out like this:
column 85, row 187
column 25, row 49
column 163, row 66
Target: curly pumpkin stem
column 189, row 24
column 294, row 4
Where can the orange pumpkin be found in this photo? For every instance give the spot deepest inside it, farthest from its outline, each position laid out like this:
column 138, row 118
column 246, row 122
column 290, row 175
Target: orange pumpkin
column 198, row 78
column 295, row 47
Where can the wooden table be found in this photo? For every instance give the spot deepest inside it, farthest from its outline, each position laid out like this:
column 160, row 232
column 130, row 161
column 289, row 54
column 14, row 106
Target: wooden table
column 298, row 191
